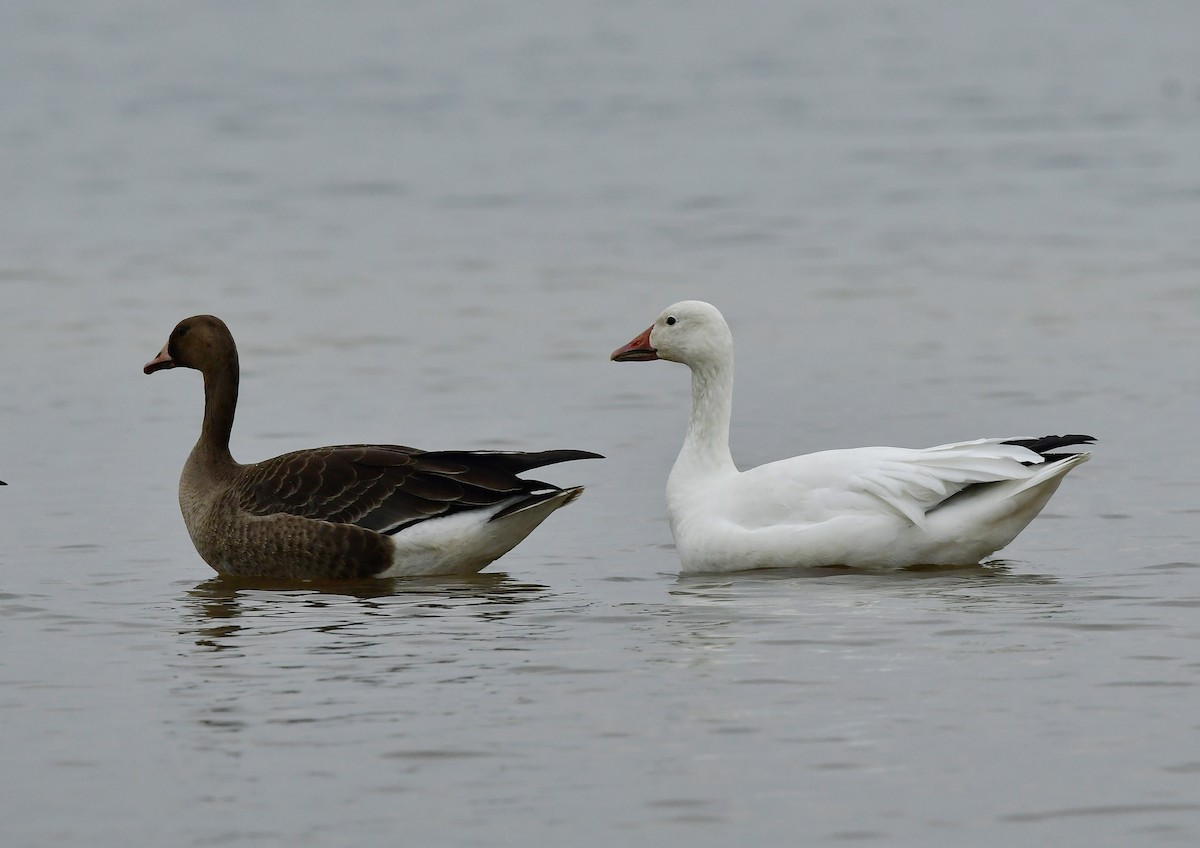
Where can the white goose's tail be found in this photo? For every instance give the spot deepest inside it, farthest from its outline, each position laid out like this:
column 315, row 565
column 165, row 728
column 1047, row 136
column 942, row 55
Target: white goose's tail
column 996, row 512
column 1048, row 474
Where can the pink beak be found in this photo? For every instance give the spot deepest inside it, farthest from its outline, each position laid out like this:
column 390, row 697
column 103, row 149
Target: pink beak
column 158, row 363
column 638, row 350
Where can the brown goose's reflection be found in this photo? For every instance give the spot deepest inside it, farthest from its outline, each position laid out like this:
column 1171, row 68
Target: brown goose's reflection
column 218, row 606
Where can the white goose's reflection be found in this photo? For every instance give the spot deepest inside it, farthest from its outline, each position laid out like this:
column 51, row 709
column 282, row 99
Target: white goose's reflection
column 845, row 608
column 945, row 583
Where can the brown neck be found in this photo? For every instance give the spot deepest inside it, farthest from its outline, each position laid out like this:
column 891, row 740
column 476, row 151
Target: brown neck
column 220, row 402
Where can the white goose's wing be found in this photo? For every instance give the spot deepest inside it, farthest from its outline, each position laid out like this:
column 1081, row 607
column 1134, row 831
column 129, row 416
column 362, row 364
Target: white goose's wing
column 915, row 483
column 904, row 482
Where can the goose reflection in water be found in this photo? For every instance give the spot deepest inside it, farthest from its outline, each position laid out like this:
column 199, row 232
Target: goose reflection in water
column 964, row 587
column 224, row 606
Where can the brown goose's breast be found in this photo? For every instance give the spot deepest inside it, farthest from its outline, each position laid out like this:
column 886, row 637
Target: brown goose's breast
column 288, row 546
column 238, row 543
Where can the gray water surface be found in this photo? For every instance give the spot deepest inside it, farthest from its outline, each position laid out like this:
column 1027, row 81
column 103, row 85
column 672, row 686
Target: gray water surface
column 430, row 223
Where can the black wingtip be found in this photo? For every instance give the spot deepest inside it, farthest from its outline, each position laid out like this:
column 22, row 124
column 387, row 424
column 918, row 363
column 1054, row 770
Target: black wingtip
column 1044, row 445
column 514, row 462
column 553, row 457
column 580, row 454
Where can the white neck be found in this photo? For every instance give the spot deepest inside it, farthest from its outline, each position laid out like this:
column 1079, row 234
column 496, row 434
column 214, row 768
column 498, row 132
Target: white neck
column 706, row 446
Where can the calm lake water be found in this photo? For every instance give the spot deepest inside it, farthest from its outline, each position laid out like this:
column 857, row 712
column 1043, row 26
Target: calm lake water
column 430, row 223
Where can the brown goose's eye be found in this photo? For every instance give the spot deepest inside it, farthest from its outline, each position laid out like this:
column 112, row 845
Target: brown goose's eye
column 671, row 321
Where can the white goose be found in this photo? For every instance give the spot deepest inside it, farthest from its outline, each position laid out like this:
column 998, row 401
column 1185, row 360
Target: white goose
column 876, row 508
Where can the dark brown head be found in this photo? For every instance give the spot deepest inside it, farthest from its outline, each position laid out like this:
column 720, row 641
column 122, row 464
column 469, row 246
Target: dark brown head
column 201, row 342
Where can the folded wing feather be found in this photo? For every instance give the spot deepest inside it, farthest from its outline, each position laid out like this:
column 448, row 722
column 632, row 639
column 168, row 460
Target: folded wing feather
column 912, row 482
column 389, row 487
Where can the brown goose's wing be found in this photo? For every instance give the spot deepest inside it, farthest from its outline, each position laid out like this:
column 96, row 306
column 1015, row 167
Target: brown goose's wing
column 388, row 487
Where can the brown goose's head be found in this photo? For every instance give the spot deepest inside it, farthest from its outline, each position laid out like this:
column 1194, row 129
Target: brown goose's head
column 201, row 342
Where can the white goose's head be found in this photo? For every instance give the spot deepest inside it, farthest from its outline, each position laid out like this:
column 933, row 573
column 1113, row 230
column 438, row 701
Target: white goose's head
column 692, row 332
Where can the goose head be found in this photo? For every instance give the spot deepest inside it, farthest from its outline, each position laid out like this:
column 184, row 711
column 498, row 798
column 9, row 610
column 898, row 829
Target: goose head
column 201, row 342
column 691, row 332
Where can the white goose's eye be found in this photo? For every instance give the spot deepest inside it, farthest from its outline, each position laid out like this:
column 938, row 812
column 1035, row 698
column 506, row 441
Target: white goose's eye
column 670, row 320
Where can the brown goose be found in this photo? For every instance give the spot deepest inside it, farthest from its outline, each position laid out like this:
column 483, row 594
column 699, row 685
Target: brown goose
column 346, row 511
